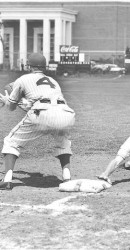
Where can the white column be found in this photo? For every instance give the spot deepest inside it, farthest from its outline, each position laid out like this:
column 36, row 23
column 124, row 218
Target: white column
column 23, row 41
column 1, row 45
column 64, row 32
column 58, row 37
column 46, row 39
column 68, row 33
column 1, row 53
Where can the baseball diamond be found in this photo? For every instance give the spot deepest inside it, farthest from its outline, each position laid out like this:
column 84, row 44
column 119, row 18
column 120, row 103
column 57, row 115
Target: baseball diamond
column 65, row 125
column 34, row 214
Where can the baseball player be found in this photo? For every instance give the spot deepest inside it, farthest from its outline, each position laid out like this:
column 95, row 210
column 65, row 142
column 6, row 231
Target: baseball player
column 121, row 159
column 47, row 113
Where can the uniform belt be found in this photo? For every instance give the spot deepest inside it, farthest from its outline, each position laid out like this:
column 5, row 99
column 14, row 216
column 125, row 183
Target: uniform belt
column 47, row 100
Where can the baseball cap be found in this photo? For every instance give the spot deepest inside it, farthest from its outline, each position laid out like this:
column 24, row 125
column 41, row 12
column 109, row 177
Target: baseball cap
column 37, row 60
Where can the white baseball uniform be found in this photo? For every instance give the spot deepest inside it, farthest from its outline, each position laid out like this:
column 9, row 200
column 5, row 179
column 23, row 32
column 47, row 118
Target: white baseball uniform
column 48, row 112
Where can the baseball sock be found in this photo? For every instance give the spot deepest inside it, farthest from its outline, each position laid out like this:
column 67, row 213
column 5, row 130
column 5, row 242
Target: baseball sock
column 66, row 174
column 65, row 163
column 8, row 176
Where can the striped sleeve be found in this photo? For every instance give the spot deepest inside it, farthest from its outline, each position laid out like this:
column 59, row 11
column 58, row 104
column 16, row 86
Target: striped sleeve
column 16, row 93
column 11, row 85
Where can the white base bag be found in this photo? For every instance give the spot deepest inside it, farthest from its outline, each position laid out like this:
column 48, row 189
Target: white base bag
column 84, row 185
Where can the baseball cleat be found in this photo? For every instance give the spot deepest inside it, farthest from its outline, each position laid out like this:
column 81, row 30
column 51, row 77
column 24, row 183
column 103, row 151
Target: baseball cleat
column 104, row 179
column 6, row 185
column 127, row 168
column 127, row 165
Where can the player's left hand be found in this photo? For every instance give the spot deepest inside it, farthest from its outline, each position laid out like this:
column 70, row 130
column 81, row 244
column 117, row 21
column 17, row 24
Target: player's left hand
column 4, row 98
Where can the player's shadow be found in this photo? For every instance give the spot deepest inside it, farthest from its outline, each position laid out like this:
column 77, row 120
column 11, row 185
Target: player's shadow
column 36, row 179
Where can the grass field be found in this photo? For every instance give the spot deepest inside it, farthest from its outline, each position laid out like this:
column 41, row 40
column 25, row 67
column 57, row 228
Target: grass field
column 35, row 215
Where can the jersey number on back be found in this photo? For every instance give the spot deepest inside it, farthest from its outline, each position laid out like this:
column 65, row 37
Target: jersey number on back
column 45, row 81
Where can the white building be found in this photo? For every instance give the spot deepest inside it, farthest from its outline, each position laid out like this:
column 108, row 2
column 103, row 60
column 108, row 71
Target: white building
column 31, row 26
column 101, row 28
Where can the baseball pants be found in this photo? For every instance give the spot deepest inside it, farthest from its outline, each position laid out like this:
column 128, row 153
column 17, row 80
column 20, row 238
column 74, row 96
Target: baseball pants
column 124, row 150
column 55, row 121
